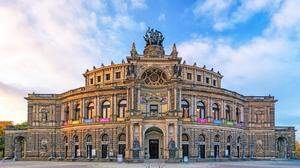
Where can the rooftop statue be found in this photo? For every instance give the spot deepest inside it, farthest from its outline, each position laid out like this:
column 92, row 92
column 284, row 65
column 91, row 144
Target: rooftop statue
column 153, row 37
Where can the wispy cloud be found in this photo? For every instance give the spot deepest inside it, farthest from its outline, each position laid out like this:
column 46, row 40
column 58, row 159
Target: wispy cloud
column 161, row 17
column 138, row 4
column 46, row 45
column 224, row 16
column 267, row 61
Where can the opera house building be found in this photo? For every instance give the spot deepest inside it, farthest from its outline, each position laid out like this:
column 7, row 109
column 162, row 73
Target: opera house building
column 151, row 106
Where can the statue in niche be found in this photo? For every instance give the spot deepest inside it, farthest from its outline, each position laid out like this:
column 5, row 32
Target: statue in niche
column 136, row 148
column 136, row 144
column 131, row 70
column 177, row 70
column 172, row 149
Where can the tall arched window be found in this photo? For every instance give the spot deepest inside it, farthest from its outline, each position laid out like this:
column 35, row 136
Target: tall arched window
column 216, row 111
column 67, row 113
column 228, row 112
column 185, row 108
column 238, row 117
column 201, row 109
column 217, row 138
column 105, row 109
column 104, row 137
column 90, row 111
column 229, row 139
column 122, row 137
column 201, row 138
column 77, row 112
column 122, row 108
column 185, row 137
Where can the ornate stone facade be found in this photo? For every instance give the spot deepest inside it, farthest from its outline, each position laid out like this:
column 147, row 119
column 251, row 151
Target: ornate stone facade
column 151, row 106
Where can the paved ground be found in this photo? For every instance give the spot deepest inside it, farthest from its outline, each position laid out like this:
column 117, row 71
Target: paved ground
column 236, row 164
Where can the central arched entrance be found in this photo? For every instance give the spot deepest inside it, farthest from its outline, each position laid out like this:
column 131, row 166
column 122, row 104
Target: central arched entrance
column 153, row 143
column 281, row 147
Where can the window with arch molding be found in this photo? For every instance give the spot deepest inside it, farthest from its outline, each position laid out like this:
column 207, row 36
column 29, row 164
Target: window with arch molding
column 238, row 116
column 185, row 108
column 90, row 111
column 67, row 113
column 122, row 108
column 200, row 109
column 104, row 137
column 77, row 112
column 228, row 112
column 105, row 109
column 185, row 137
column 154, row 76
column 122, row 137
column 216, row 111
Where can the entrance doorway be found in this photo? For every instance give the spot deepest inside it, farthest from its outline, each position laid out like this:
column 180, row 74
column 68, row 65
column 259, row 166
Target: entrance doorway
column 185, row 150
column 228, row 150
column 216, row 151
column 153, row 143
column 76, row 149
column 154, row 148
column 89, row 151
column 104, row 151
column 122, row 148
column 202, row 151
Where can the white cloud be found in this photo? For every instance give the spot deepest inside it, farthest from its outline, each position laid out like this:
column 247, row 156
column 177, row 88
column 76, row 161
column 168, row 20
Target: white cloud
column 161, row 17
column 45, row 46
column 224, row 15
column 138, row 4
column 265, row 61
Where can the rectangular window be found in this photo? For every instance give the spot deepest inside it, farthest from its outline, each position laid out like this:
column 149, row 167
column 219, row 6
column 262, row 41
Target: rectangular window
column 207, row 80
column 189, row 76
column 118, row 75
column 107, row 77
column 98, row 78
column 91, row 81
column 199, row 78
column 153, row 109
column 214, row 82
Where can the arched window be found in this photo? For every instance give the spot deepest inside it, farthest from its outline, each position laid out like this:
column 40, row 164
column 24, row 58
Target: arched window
column 122, row 108
column 217, row 138
column 89, row 138
column 185, row 137
column 201, row 109
column 44, row 115
column 238, row 117
column 77, row 112
column 229, row 139
column 227, row 112
column 238, row 140
column 90, row 111
column 66, row 140
column 216, row 111
column 67, row 113
column 122, row 137
column 201, row 138
column 185, row 108
column 76, row 139
column 105, row 109
column 104, row 137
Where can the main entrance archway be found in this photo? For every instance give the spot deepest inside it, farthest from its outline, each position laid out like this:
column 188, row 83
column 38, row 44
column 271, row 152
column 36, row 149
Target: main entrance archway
column 153, row 143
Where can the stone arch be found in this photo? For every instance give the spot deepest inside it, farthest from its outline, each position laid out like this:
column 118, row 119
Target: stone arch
column 20, row 147
column 154, row 142
column 281, row 147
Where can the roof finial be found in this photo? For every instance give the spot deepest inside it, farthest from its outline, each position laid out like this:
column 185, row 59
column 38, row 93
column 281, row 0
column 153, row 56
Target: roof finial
column 174, row 52
column 133, row 51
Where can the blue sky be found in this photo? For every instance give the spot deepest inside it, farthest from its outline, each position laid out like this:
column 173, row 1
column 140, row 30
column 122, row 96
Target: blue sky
column 45, row 46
